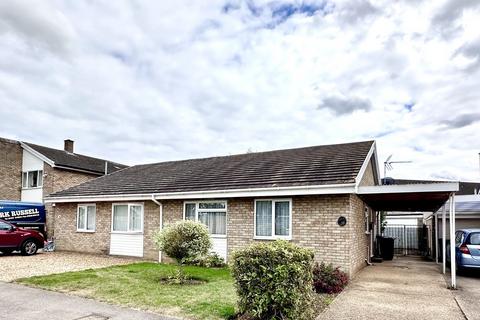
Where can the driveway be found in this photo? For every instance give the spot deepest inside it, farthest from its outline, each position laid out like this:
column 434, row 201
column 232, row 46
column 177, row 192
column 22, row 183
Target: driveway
column 19, row 302
column 468, row 293
column 17, row 266
column 405, row 288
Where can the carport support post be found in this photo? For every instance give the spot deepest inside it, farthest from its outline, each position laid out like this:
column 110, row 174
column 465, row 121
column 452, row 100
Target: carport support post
column 436, row 236
column 444, row 238
column 453, row 265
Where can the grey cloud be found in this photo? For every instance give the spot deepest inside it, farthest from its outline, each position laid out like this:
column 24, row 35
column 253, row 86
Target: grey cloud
column 444, row 20
column 344, row 105
column 37, row 25
column 462, row 120
column 471, row 50
column 355, row 11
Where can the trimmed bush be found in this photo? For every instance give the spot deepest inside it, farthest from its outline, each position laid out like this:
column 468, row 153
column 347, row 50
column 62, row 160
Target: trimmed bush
column 211, row 260
column 274, row 281
column 184, row 240
column 327, row 279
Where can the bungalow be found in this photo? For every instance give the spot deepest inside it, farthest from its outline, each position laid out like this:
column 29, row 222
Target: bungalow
column 309, row 196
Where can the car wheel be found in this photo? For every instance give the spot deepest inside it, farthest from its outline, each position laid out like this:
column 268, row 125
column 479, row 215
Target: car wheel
column 29, row 248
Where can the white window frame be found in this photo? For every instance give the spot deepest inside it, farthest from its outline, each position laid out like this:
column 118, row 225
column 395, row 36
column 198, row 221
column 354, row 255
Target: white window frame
column 130, row 204
column 367, row 219
column 197, row 210
column 273, row 236
column 86, row 205
column 25, row 184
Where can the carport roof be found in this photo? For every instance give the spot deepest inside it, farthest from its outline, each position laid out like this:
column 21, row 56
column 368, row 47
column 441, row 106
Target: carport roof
column 410, row 197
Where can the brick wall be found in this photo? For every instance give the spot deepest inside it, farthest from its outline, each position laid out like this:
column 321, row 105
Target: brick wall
column 10, row 170
column 314, row 223
column 368, row 178
column 57, row 180
column 68, row 239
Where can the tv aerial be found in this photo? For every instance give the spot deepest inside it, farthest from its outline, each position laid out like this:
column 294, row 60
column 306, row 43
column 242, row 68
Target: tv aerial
column 387, row 165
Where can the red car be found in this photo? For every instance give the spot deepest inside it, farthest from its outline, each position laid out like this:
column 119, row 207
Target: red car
column 13, row 238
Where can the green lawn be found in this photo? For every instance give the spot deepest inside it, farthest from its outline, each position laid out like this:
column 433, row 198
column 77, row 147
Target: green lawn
column 138, row 285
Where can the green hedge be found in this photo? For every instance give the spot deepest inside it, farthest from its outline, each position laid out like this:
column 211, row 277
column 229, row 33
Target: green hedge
column 274, row 281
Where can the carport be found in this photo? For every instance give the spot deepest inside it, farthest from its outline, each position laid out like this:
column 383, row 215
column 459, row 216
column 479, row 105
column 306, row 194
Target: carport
column 428, row 197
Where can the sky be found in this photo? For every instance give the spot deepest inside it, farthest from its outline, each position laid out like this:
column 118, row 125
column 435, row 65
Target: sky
column 149, row 81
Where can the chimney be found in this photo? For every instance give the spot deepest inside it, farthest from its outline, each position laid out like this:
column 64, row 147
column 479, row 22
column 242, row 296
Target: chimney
column 68, row 145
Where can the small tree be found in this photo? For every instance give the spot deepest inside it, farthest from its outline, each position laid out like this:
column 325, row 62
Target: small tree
column 184, row 240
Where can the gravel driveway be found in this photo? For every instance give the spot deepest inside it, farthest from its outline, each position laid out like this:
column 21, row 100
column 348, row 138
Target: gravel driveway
column 17, row 266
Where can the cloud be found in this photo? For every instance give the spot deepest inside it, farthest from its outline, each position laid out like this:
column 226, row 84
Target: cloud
column 342, row 105
column 141, row 82
column 462, row 120
column 445, row 19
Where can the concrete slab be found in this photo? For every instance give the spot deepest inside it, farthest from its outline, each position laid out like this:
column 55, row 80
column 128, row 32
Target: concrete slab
column 405, row 288
column 468, row 293
column 18, row 302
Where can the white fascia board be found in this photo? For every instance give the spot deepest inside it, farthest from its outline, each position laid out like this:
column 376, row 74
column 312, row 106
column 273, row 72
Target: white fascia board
column 410, row 188
column 37, row 154
column 364, row 166
column 216, row 194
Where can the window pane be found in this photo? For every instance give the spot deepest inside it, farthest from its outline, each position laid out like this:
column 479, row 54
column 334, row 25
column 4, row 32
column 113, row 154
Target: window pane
column 81, row 218
column 32, row 179
column 120, row 218
column 211, row 205
column 475, row 238
column 91, row 218
column 40, row 178
column 216, row 222
column 282, row 218
column 190, row 211
column 24, row 179
column 263, row 218
column 135, row 218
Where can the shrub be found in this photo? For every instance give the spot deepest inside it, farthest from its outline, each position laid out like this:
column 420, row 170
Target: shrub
column 274, row 281
column 327, row 279
column 184, row 240
column 211, row 260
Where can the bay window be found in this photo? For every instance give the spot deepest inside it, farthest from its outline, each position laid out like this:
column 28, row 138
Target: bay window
column 213, row 214
column 273, row 219
column 127, row 218
column 86, row 218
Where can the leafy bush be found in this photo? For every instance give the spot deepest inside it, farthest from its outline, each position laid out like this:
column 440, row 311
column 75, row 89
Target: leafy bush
column 211, row 260
column 184, row 240
column 274, row 281
column 327, row 279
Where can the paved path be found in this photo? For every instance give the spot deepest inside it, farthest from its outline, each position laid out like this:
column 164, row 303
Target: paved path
column 468, row 293
column 405, row 288
column 18, row 302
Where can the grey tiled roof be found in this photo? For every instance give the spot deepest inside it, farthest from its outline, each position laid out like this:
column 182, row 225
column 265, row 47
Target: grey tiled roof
column 320, row 165
column 76, row 161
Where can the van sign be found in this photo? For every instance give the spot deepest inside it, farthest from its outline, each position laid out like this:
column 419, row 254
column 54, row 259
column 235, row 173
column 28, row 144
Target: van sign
column 22, row 212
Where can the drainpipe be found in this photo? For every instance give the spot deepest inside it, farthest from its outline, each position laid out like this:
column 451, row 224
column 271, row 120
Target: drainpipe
column 161, row 222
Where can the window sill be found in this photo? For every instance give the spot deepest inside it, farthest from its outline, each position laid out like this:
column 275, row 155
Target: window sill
column 127, row 232
column 218, row 236
column 85, row 231
column 32, row 188
column 272, row 238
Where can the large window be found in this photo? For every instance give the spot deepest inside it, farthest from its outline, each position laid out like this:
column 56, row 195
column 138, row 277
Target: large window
column 86, row 218
column 213, row 214
column 127, row 217
column 32, row 179
column 273, row 219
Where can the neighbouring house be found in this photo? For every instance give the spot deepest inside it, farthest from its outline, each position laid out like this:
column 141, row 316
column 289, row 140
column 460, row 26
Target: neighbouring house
column 30, row 172
column 315, row 197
